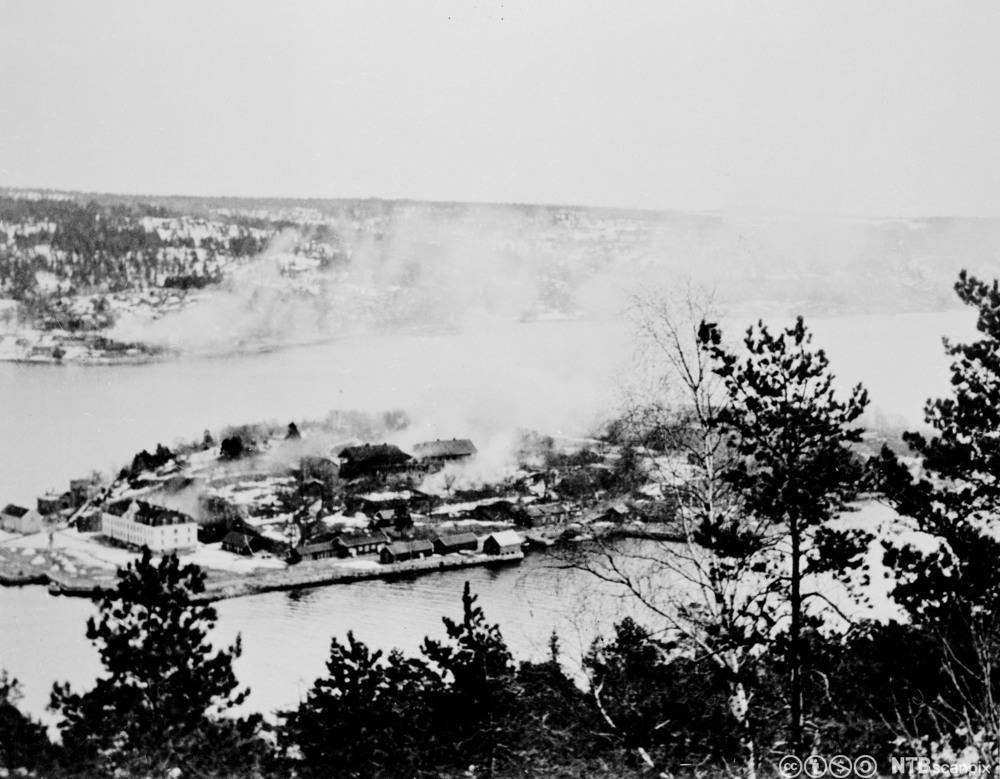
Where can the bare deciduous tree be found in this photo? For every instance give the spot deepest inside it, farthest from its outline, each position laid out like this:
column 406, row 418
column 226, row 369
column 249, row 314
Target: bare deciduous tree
column 704, row 583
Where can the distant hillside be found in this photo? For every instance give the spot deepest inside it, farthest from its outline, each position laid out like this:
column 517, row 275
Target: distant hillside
column 281, row 270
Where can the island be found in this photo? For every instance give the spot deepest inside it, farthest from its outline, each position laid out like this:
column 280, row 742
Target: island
column 266, row 507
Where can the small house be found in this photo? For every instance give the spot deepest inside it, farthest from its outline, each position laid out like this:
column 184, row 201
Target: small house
column 82, row 490
column 313, row 467
column 384, row 518
column 317, row 550
column 243, row 543
column 456, row 543
column 18, row 519
column 398, row 551
column 88, row 521
column 503, row 544
column 544, row 514
column 354, row 544
column 54, row 502
column 371, row 503
column 313, row 489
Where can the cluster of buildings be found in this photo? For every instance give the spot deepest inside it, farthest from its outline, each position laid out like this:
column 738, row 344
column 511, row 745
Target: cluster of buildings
column 304, row 534
column 79, row 492
column 379, row 544
column 52, row 506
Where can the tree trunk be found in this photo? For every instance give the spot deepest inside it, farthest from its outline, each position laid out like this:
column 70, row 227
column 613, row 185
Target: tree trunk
column 794, row 654
column 739, row 708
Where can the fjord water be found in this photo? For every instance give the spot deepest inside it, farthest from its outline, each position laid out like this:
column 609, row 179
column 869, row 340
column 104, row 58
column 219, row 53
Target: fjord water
column 59, row 422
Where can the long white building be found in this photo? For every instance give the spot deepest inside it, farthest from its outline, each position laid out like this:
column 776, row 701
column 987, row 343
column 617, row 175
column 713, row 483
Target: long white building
column 138, row 523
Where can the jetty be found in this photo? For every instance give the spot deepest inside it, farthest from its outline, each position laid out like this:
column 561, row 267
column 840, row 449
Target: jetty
column 223, row 585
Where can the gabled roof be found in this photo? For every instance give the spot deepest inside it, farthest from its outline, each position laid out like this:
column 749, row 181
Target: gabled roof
column 359, row 539
column 321, row 546
column 459, row 539
column 12, row 510
column 506, row 538
column 456, row 447
column 367, row 452
column 416, row 545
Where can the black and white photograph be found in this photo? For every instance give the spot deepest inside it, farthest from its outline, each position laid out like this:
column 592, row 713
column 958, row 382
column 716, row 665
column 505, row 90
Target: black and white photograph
column 495, row 389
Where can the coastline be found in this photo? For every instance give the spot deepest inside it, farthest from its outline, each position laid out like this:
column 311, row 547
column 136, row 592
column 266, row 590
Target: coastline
column 221, row 585
column 49, row 568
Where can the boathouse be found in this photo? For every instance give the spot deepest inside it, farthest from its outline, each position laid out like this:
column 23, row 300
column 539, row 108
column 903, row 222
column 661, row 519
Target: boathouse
column 354, row 544
column 503, row 543
column 398, row 551
column 318, row 550
column 456, row 543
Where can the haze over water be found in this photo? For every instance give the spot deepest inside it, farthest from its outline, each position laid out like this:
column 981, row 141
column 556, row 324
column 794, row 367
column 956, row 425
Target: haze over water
column 59, row 422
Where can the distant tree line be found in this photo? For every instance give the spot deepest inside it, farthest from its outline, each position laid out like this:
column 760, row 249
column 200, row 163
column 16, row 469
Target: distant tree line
column 94, row 248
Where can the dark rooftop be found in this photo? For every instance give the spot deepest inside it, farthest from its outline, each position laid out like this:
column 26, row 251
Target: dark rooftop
column 321, row 546
column 149, row 514
column 359, row 539
column 367, row 452
column 458, row 539
column 236, row 538
column 417, row 545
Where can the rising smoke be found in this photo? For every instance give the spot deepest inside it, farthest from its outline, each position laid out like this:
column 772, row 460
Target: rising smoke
column 480, row 320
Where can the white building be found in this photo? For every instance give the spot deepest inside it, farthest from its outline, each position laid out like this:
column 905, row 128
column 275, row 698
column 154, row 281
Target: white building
column 18, row 519
column 138, row 523
column 504, row 543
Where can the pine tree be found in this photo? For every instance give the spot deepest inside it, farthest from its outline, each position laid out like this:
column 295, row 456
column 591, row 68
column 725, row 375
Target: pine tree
column 481, row 689
column 159, row 702
column 368, row 715
column 949, row 581
column 793, row 466
column 376, row 715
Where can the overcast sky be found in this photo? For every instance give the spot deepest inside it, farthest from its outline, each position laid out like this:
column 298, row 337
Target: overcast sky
column 848, row 108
